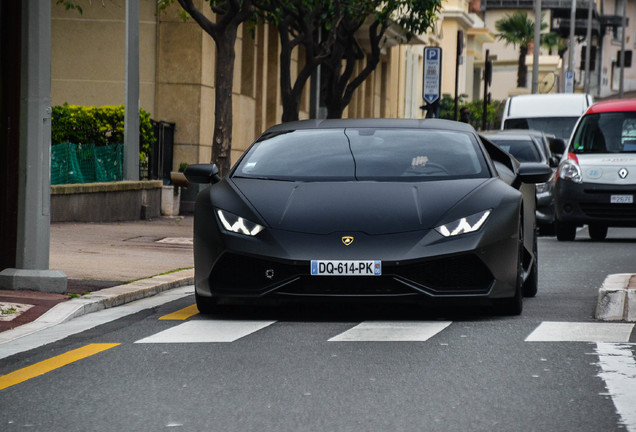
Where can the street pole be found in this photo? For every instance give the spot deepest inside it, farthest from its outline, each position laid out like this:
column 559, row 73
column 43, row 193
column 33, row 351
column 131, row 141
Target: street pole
column 34, row 182
column 131, row 110
column 571, row 42
column 588, row 47
column 537, row 46
column 487, row 79
column 621, row 87
column 460, row 48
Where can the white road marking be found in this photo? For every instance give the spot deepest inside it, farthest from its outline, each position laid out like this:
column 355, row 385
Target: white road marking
column 619, row 373
column 205, row 331
column 86, row 322
column 392, row 331
column 176, row 240
column 550, row 331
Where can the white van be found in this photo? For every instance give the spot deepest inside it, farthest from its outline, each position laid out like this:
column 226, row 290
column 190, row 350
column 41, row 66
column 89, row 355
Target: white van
column 554, row 113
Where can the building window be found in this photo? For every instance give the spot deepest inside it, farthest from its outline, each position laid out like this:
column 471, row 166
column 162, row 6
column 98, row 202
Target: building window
column 617, row 32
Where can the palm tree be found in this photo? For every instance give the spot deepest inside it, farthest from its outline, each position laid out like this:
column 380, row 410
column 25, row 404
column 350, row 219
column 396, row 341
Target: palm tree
column 553, row 42
column 518, row 29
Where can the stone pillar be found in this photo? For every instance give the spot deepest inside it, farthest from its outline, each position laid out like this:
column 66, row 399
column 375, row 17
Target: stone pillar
column 34, row 200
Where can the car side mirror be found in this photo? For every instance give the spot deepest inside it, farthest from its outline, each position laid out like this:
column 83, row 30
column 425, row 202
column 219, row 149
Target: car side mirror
column 202, row 173
column 533, row 172
column 554, row 161
column 557, row 145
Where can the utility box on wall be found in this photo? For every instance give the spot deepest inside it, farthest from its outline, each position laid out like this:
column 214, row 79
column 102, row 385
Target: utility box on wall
column 160, row 164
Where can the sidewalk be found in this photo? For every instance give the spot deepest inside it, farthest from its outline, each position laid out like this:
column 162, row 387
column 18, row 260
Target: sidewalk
column 100, row 260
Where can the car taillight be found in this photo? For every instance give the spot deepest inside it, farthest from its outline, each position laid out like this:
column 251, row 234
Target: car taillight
column 570, row 170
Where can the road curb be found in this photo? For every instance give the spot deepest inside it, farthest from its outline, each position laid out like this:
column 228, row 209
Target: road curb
column 102, row 299
column 617, row 298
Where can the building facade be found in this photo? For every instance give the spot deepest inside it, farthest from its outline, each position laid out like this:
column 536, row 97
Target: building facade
column 605, row 30
column 177, row 61
column 177, row 65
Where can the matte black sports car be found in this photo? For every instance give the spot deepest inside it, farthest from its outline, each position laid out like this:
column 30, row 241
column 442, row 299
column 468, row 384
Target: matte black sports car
column 368, row 208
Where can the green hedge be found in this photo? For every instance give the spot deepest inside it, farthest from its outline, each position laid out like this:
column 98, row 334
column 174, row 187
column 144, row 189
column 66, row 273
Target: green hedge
column 475, row 109
column 100, row 126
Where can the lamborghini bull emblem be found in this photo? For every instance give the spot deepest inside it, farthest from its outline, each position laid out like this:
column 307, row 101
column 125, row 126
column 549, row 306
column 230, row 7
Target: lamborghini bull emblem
column 347, row 240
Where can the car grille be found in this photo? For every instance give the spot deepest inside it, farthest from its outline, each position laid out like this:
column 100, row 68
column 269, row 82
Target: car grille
column 347, row 286
column 461, row 274
column 609, row 211
column 242, row 275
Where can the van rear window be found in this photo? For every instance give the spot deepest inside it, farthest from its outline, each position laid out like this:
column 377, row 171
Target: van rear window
column 561, row 127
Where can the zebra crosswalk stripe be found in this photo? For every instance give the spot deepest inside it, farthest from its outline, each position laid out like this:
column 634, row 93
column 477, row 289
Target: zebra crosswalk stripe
column 550, row 331
column 392, row 331
column 205, row 331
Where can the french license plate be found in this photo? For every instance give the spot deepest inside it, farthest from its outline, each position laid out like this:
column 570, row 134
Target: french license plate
column 346, row 268
column 622, row 199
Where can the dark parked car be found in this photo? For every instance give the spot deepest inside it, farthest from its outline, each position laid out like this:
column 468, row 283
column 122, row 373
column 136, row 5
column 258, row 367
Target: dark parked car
column 367, row 209
column 532, row 146
column 596, row 184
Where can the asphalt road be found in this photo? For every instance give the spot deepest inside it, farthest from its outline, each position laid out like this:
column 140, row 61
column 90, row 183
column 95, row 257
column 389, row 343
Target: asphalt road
column 327, row 368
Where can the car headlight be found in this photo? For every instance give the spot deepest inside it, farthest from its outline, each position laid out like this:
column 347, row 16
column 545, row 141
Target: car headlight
column 542, row 187
column 545, row 187
column 237, row 224
column 569, row 169
column 464, row 225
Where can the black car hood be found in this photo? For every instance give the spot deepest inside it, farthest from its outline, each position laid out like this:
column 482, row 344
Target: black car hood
column 356, row 206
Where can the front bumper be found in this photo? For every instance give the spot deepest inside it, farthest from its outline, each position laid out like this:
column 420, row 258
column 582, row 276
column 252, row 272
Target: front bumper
column 247, row 276
column 417, row 264
column 591, row 203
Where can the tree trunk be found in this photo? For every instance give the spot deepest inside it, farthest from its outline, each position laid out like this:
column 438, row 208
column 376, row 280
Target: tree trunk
column 522, row 73
column 229, row 15
column 222, row 139
column 335, row 108
column 341, row 88
column 290, row 103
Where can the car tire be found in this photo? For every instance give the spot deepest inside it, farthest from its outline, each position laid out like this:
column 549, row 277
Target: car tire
column 597, row 232
column 547, row 229
column 531, row 285
column 565, row 231
column 208, row 305
column 514, row 306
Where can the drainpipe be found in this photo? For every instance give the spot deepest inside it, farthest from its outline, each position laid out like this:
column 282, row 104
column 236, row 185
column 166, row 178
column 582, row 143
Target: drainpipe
column 622, row 53
column 537, row 46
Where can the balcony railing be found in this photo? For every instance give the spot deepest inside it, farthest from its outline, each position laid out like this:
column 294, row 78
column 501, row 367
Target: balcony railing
column 529, row 4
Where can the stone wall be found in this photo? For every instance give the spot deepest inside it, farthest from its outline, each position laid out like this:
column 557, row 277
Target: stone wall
column 106, row 202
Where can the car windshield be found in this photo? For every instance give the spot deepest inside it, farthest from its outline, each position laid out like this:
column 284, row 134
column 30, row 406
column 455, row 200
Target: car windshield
column 522, row 150
column 606, row 133
column 376, row 154
column 559, row 126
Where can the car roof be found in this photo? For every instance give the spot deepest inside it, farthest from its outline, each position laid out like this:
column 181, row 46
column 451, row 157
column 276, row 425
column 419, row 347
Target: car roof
column 615, row 105
column 521, row 135
column 517, row 135
column 374, row 123
column 533, row 132
column 547, row 105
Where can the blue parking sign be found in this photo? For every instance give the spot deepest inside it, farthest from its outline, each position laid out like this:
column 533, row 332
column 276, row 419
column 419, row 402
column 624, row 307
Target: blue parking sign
column 432, row 74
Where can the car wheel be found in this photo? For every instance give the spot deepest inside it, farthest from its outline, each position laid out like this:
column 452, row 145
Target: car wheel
column 597, row 232
column 514, row 305
column 547, row 229
column 208, row 305
column 565, row 231
column 531, row 285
